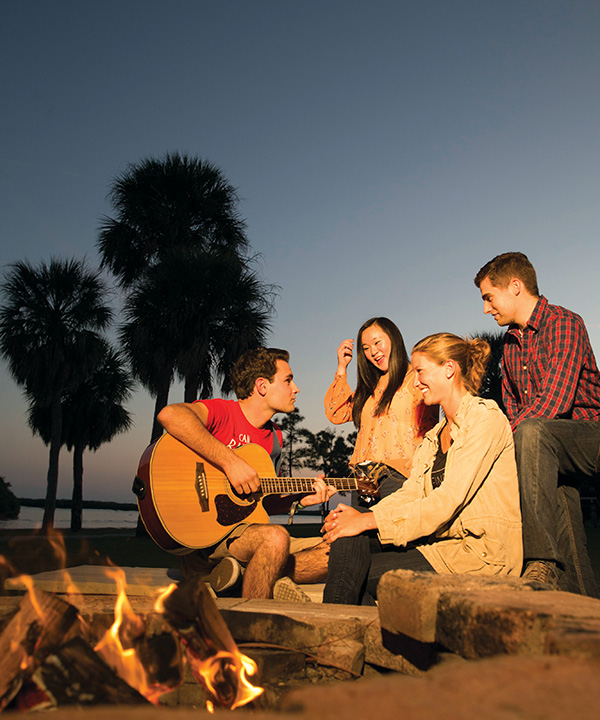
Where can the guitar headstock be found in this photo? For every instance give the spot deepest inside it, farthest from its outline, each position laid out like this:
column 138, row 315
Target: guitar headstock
column 368, row 476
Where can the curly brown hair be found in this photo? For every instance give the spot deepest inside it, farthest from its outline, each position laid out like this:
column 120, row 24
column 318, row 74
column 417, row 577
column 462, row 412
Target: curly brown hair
column 254, row 364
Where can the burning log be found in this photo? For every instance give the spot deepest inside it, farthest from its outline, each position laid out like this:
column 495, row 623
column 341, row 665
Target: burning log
column 75, row 674
column 45, row 663
column 162, row 658
column 216, row 662
column 151, row 666
column 39, row 625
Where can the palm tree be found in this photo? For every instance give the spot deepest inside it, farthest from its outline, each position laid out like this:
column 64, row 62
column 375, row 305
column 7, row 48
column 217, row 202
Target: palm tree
column 49, row 335
column 150, row 345
column 491, row 385
column 92, row 415
column 226, row 310
column 196, row 303
column 194, row 327
column 173, row 202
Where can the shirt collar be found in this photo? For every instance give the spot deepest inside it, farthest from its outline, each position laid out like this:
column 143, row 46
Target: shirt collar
column 465, row 403
column 535, row 319
column 538, row 313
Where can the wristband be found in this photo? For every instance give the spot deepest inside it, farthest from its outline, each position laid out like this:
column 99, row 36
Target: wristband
column 296, row 505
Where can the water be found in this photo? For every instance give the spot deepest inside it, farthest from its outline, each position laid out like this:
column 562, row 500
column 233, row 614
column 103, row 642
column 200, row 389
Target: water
column 30, row 518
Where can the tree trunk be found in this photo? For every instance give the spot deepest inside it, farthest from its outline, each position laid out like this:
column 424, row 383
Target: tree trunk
column 52, row 477
column 162, row 398
column 190, row 391
column 77, row 498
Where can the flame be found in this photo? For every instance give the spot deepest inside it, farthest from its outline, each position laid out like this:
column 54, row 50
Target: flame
column 125, row 662
column 207, row 673
column 209, row 670
column 163, row 594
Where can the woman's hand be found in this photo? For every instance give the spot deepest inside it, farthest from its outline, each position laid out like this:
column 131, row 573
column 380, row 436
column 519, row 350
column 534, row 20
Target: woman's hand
column 344, row 354
column 345, row 521
column 321, row 493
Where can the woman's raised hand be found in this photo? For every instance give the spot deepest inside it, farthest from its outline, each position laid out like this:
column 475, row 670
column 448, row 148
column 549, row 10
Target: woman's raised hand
column 344, row 353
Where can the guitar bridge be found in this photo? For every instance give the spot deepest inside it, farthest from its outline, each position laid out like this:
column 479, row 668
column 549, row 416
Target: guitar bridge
column 201, row 486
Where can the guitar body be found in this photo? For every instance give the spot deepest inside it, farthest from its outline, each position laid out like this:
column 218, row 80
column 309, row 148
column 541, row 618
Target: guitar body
column 186, row 503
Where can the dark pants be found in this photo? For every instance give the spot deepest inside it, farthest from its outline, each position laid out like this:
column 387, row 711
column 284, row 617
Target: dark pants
column 357, row 563
column 552, row 455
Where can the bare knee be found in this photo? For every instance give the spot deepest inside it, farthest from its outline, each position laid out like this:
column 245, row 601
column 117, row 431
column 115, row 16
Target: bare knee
column 275, row 537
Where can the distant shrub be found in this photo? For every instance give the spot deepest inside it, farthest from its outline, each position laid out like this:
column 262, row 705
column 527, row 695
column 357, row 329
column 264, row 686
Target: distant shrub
column 9, row 503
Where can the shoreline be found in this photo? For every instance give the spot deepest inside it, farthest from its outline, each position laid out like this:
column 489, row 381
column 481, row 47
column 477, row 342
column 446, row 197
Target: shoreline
column 304, row 529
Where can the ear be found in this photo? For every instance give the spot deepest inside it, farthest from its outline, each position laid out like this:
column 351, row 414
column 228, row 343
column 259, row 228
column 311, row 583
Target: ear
column 515, row 286
column 450, row 369
column 260, row 385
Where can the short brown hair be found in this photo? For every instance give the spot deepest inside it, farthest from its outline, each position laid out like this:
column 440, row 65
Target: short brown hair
column 254, row 364
column 509, row 265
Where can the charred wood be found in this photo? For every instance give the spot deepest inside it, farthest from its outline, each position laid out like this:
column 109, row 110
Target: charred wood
column 39, row 625
column 193, row 613
column 76, row 675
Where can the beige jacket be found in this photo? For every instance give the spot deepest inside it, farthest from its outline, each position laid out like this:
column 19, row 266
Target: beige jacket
column 472, row 522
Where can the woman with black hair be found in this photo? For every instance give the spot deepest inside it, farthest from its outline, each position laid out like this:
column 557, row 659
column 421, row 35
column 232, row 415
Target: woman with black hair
column 386, row 408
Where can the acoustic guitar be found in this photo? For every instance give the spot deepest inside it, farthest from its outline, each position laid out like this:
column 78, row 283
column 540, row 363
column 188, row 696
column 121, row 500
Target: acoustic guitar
column 187, row 503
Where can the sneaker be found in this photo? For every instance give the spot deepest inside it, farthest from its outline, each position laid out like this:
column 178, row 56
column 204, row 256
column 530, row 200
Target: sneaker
column 286, row 590
column 542, row 571
column 225, row 575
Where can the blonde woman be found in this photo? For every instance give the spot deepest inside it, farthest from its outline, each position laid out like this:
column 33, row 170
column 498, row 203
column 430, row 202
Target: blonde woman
column 458, row 512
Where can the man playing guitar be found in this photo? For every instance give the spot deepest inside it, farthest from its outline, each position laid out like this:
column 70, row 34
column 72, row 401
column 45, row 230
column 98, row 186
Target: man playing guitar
column 264, row 385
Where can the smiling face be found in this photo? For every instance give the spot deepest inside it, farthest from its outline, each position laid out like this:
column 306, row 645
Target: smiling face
column 500, row 303
column 377, row 347
column 433, row 380
column 281, row 392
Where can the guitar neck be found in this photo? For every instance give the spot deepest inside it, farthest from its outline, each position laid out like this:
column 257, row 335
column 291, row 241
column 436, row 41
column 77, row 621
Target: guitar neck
column 293, row 485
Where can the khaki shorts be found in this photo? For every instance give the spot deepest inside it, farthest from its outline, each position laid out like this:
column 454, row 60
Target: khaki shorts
column 220, row 551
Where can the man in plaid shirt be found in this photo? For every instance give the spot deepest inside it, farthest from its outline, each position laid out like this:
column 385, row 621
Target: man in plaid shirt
column 551, row 392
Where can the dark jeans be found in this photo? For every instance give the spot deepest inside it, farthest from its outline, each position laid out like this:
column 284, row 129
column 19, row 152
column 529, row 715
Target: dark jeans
column 552, row 455
column 357, row 563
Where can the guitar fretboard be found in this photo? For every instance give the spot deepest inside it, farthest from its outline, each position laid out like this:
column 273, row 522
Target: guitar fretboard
column 282, row 485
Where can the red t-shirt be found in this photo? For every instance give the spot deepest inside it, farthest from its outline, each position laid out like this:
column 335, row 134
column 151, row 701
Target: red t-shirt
column 229, row 425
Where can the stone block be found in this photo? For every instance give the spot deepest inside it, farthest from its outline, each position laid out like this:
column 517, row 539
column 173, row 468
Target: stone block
column 408, row 600
column 481, row 624
column 391, row 652
column 503, row 688
column 343, row 654
column 580, row 639
column 333, row 634
column 274, row 665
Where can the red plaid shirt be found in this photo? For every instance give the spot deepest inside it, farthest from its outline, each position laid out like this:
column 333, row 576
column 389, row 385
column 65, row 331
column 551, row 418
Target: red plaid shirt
column 549, row 368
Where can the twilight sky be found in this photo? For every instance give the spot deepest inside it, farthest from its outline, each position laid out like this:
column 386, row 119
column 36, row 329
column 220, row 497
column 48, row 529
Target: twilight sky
column 383, row 151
